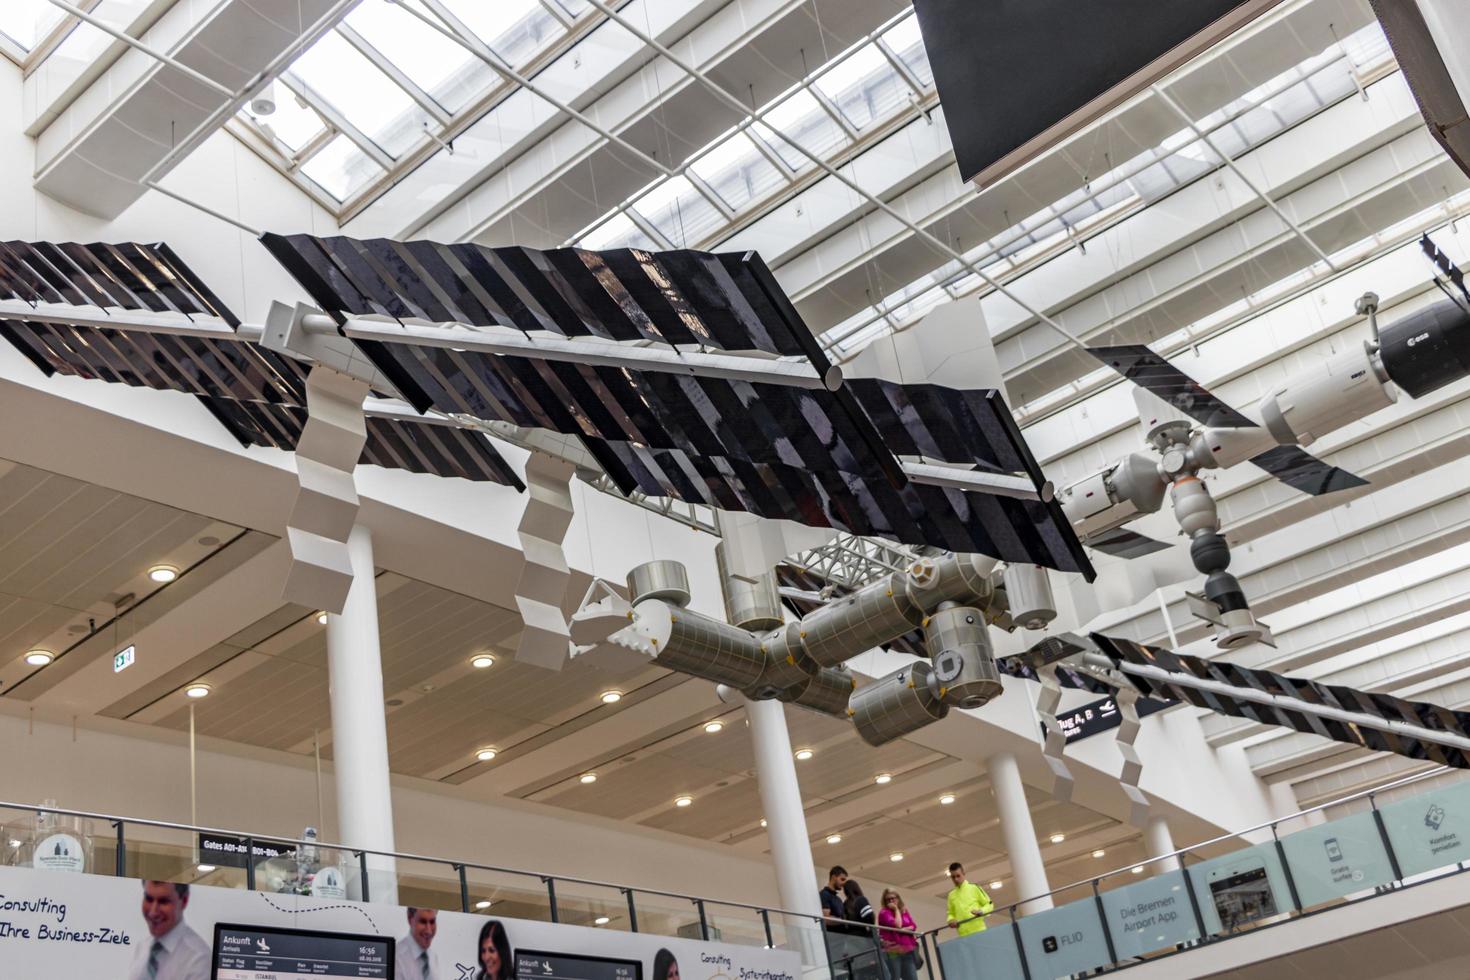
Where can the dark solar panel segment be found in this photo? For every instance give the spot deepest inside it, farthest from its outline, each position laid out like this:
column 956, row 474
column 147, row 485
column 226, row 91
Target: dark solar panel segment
column 127, row 276
column 1178, row 390
column 1298, row 468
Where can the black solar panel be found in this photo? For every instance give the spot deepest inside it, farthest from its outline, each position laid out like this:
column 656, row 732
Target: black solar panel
column 412, row 446
column 1333, row 696
column 1123, row 543
column 1298, row 468
column 126, row 276
column 1150, row 371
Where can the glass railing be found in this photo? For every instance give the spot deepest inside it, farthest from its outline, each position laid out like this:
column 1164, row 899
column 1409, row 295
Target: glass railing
column 1220, row 889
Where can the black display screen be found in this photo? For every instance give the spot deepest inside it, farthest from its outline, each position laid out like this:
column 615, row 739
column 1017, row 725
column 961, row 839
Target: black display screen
column 266, row 953
column 531, row 965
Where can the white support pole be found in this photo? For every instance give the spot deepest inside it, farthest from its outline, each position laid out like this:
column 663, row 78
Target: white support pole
column 791, row 847
column 1159, row 842
column 1019, row 833
column 359, row 726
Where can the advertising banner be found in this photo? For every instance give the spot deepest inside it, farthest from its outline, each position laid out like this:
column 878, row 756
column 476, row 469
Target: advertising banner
column 55, row 927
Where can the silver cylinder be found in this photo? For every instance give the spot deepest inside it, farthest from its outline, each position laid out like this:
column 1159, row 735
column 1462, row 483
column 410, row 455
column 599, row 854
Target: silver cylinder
column 965, row 673
column 665, row 579
column 869, row 617
column 755, row 606
column 827, row 692
column 787, row 664
column 1194, row 508
column 1029, row 596
column 895, row 705
column 695, row 644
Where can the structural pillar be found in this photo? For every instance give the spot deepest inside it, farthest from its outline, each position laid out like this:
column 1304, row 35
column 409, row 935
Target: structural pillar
column 359, row 727
column 1159, row 841
column 791, row 847
column 1019, row 833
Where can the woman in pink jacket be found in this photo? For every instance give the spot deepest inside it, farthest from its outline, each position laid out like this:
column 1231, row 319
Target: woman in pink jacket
column 901, row 949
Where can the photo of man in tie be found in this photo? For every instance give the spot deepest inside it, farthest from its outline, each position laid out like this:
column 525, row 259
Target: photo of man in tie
column 173, row 950
column 415, row 960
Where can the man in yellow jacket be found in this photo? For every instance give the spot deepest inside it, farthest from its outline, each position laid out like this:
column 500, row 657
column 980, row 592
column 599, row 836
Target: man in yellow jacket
column 967, row 903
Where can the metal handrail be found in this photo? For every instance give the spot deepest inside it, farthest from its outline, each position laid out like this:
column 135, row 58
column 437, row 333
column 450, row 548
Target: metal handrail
column 1180, row 853
column 452, row 864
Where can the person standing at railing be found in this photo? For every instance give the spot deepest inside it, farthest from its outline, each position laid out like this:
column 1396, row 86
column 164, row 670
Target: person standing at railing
column 900, row 949
column 968, row 904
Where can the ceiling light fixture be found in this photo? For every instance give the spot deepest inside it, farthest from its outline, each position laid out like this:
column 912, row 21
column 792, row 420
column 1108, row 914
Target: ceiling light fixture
column 197, row 691
column 683, row 801
column 587, row 778
column 1099, row 853
column 804, row 754
column 1058, row 838
column 321, row 618
column 1137, row 869
column 714, row 727
column 485, row 754
column 40, row 658
column 204, row 869
column 483, row 904
column 995, row 885
column 946, row 799
column 763, row 821
column 883, row 778
column 834, row 838
column 482, row 661
column 163, row 574
column 896, row 856
column 601, row 920
column 611, row 697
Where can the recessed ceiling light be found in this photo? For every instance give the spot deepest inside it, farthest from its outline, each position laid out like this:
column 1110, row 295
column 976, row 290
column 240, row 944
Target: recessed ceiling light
column 482, row 661
column 15, row 843
column 205, row 868
column 946, row 799
column 995, row 885
column 682, row 801
column 197, row 691
column 1058, row 838
column 896, row 856
column 763, row 821
column 611, row 697
column 601, row 920
column 804, row 754
column 1137, row 869
column 485, row 754
column 163, row 573
column 321, row 618
column 40, row 658
column 1099, row 853
column 834, row 838
column 588, row 778
column 714, row 727
column 883, row 778
column 483, row 904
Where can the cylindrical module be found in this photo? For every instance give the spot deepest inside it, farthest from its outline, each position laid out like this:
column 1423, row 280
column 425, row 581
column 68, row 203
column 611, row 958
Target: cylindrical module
column 1029, row 597
column 695, row 644
column 666, row 579
column 1427, row 349
column 786, row 663
column 827, row 692
column 752, row 605
column 895, row 705
column 869, row 617
column 965, row 673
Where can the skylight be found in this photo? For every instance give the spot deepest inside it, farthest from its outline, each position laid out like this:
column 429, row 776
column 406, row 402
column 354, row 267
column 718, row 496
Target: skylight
column 28, row 22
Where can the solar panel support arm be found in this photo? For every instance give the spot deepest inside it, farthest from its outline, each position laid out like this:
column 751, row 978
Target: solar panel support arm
column 601, row 353
column 999, row 484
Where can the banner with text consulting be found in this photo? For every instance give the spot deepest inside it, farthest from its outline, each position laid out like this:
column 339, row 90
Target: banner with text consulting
column 55, row 926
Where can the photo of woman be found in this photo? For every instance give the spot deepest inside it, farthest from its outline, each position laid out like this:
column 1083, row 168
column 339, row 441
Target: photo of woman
column 493, row 954
column 665, row 967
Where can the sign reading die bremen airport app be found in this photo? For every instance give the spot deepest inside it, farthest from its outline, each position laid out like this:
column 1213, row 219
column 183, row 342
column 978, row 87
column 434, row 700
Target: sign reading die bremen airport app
column 62, row 926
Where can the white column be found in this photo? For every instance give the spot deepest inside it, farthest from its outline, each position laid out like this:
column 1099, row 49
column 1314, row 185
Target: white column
column 1159, row 841
column 791, row 847
column 359, row 728
column 1020, row 835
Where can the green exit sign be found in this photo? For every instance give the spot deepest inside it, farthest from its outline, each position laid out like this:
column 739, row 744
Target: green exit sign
column 124, row 659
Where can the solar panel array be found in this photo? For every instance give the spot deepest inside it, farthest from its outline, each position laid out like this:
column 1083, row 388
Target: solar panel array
column 1384, row 706
column 822, row 458
column 257, row 394
column 1178, row 390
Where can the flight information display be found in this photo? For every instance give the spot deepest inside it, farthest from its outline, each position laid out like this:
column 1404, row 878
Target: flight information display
column 265, row 953
column 569, row 966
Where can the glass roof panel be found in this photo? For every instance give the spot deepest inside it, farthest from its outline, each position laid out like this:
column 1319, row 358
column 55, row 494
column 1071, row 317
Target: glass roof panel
column 27, row 22
column 619, row 231
column 514, row 29
column 573, row 7
column 679, row 212
column 346, row 80
column 293, row 124
column 802, row 119
column 904, row 40
column 864, row 86
column 341, row 168
column 433, row 62
column 737, row 171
